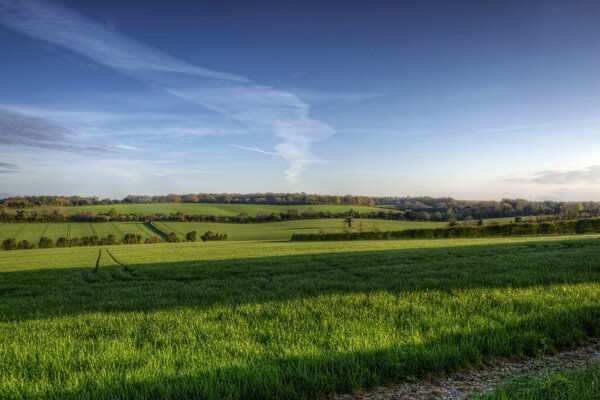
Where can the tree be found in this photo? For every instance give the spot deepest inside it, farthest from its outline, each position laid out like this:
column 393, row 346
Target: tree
column 62, row 242
column 25, row 244
column 45, row 243
column 113, row 213
column 172, row 238
column 190, row 236
column 9, row 244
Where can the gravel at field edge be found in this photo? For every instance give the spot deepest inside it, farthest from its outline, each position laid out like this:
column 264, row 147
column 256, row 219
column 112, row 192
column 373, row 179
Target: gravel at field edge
column 458, row 385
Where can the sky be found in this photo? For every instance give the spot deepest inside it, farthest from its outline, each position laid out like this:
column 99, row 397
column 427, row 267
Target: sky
column 469, row 99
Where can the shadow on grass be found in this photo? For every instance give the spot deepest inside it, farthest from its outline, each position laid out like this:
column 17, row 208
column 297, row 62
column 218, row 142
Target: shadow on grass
column 317, row 376
column 198, row 284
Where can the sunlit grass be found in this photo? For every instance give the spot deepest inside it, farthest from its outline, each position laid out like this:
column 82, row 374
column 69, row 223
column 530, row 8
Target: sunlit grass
column 230, row 320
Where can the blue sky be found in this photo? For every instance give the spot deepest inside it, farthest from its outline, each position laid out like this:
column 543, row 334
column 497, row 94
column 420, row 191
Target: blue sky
column 478, row 100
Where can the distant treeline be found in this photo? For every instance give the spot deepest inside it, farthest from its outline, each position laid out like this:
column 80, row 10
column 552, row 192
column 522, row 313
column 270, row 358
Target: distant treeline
column 129, row 238
column 582, row 226
column 414, row 208
column 60, row 214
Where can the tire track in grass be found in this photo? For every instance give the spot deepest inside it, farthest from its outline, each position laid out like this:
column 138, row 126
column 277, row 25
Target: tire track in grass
column 43, row 233
column 116, row 227
column 88, row 275
column 93, row 230
column 69, row 231
column 125, row 267
column 20, row 231
column 141, row 229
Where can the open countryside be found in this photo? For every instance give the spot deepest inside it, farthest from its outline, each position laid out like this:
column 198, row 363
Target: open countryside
column 299, row 200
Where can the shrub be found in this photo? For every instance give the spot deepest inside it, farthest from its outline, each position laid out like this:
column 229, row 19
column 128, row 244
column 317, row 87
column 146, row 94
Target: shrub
column 45, row 243
column 153, row 239
column 63, row 242
column 131, row 238
column 10, row 244
column 172, row 238
column 213, row 236
column 191, row 236
column 25, row 244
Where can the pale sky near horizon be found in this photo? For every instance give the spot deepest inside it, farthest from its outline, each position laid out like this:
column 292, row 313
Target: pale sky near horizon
column 469, row 99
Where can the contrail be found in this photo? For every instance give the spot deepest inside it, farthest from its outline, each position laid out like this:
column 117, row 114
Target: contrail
column 258, row 107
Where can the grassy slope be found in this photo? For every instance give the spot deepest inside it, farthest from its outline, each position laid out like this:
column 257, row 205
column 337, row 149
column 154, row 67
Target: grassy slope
column 583, row 384
column 33, row 231
column 213, row 209
column 232, row 320
column 284, row 230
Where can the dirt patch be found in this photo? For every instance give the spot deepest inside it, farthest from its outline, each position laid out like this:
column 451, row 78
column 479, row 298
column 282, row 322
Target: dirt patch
column 459, row 385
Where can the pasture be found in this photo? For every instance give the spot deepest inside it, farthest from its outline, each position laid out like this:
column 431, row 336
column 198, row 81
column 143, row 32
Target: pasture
column 34, row 231
column 261, row 231
column 214, row 208
column 269, row 320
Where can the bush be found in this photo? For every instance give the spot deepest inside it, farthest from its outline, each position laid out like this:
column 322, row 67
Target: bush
column 10, row 244
column 153, row 239
column 213, row 236
column 63, row 242
column 45, row 243
column 131, row 238
column 172, row 238
column 25, row 244
column 191, row 236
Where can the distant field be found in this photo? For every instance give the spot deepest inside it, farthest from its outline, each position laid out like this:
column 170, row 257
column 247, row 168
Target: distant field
column 284, row 230
column 34, row 231
column 262, row 231
column 214, row 209
column 265, row 320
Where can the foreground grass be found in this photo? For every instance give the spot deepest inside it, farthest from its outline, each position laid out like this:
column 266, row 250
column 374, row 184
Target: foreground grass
column 575, row 385
column 283, row 320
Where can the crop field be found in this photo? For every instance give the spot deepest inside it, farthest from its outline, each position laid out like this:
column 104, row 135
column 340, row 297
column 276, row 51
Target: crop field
column 284, row 230
column 34, row 231
column 216, row 208
column 261, row 231
column 267, row 320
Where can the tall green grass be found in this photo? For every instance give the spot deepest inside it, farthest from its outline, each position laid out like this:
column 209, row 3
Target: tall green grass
column 283, row 320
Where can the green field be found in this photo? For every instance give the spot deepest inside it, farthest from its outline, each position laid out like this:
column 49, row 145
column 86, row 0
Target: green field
column 284, row 230
column 34, row 231
column 262, row 231
column 267, row 320
column 214, row 208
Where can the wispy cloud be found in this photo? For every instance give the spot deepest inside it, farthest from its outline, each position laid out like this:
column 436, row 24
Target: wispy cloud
column 17, row 129
column 255, row 149
column 8, row 168
column 260, row 108
column 583, row 176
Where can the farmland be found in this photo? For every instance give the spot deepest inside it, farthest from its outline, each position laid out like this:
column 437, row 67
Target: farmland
column 34, row 231
column 213, row 208
column 263, row 231
column 283, row 320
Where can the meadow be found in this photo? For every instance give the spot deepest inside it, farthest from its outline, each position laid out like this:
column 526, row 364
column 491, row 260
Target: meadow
column 214, row 208
column 261, row 231
column 262, row 320
column 34, row 231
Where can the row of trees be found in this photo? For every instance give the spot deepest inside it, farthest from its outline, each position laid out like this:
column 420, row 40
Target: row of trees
column 229, row 198
column 129, row 238
column 582, row 226
column 57, row 214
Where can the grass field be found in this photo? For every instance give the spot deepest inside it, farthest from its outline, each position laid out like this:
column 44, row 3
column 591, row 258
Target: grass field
column 262, row 231
column 284, row 230
column 214, row 208
column 269, row 320
column 34, row 231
